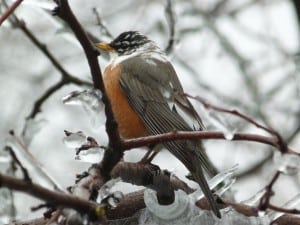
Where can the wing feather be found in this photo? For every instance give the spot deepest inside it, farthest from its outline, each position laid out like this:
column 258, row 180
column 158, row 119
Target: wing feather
column 144, row 87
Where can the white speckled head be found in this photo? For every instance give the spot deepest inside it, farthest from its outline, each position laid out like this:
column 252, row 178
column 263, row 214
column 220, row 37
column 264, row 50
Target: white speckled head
column 132, row 43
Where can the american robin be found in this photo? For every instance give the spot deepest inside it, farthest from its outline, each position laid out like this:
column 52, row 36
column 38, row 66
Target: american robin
column 147, row 99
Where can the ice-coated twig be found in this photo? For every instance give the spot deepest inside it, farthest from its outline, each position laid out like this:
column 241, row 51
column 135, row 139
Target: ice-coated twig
column 224, row 176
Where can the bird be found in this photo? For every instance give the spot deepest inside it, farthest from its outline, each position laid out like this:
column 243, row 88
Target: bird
column 147, row 98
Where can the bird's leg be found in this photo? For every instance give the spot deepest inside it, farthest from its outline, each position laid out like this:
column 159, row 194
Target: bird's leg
column 149, row 156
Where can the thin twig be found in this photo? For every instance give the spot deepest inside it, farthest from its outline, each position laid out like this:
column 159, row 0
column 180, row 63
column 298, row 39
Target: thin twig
column 104, row 30
column 242, row 8
column 29, row 158
column 42, row 47
column 66, row 77
column 15, row 159
column 10, row 11
column 54, row 197
column 38, row 103
column 283, row 210
column 190, row 135
column 201, row 84
column 265, row 200
column 235, row 112
column 253, row 168
column 282, row 144
column 50, row 91
column 242, row 62
column 169, row 11
column 218, row 8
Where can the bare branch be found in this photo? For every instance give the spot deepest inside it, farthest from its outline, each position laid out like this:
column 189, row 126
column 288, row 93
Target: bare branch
column 15, row 158
column 189, row 135
column 265, row 200
column 53, row 197
column 100, row 23
column 115, row 153
column 281, row 142
column 171, row 22
column 40, row 101
column 10, row 11
column 66, row 77
column 235, row 112
column 283, row 210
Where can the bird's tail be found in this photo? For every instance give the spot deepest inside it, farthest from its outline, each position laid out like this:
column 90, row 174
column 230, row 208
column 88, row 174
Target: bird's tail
column 193, row 156
column 204, row 161
column 199, row 177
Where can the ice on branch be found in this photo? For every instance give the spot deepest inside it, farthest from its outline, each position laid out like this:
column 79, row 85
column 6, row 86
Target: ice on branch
column 105, row 189
column 6, row 206
column 86, row 150
column 92, row 155
column 107, row 196
column 220, row 123
column 255, row 199
column 91, row 102
column 287, row 163
column 36, row 170
column 184, row 211
column 32, row 127
column 75, row 140
column 4, row 160
column 224, row 180
column 114, row 199
column 176, row 213
column 293, row 203
column 232, row 217
column 7, row 209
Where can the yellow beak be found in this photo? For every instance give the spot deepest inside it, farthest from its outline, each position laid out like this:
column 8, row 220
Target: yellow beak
column 104, row 46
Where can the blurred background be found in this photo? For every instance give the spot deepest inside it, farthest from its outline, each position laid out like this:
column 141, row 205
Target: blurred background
column 237, row 54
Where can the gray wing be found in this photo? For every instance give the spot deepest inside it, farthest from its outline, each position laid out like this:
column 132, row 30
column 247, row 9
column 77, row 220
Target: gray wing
column 153, row 95
column 166, row 83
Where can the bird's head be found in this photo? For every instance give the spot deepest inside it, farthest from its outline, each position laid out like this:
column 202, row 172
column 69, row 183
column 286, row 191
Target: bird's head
column 127, row 43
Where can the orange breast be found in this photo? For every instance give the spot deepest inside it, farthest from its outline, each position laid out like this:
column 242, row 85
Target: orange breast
column 129, row 123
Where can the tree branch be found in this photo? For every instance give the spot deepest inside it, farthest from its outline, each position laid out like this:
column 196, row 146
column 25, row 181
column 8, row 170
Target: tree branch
column 52, row 197
column 66, row 77
column 169, row 11
column 190, row 135
column 113, row 155
column 10, row 11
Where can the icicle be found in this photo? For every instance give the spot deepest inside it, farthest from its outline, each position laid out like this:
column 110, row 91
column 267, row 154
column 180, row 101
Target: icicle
column 220, row 123
column 32, row 127
column 287, row 163
column 75, row 140
column 92, row 155
column 225, row 176
column 35, row 168
column 107, row 195
column 294, row 202
column 91, row 102
column 253, row 200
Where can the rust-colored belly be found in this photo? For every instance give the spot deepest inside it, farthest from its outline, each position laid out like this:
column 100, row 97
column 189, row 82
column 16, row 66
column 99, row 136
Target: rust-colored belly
column 129, row 123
